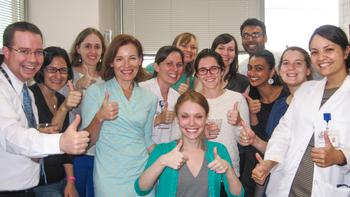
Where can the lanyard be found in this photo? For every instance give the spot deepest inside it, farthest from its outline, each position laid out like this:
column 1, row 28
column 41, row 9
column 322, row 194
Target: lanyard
column 9, row 80
column 6, row 76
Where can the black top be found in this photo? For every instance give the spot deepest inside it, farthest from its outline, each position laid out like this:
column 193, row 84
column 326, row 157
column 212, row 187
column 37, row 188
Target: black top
column 54, row 169
column 247, row 153
column 263, row 115
column 238, row 83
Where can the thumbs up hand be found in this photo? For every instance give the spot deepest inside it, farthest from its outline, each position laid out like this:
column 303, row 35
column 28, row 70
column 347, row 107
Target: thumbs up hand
column 108, row 110
column 327, row 156
column 175, row 158
column 261, row 170
column 233, row 115
column 184, row 86
column 73, row 98
column 72, row 141
column 164, row 117
column 218, row 165
column 85, row 81
column 246, row 135
column 254, row 104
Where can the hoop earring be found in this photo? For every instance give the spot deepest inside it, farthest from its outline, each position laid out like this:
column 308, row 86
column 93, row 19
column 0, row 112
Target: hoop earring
column 270, row 81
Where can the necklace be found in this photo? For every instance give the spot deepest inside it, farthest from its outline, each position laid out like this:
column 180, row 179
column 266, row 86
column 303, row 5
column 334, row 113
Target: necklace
column 50, row 99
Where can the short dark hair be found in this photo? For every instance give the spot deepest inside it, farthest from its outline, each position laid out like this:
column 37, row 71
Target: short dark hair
column 23, row 26
column 335, row 35
column 253, row 22
column 164, row 52
column 208, row 53
column 224, row 39
column 52, row 52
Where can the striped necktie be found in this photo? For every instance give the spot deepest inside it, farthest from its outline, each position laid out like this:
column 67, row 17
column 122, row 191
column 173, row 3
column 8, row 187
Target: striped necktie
column 27, row 107
column 28, row 110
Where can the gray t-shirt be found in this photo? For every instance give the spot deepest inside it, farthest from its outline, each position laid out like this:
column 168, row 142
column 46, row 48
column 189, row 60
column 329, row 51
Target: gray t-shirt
column 190, row 186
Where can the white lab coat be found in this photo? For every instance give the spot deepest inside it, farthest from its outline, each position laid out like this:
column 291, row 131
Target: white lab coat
column 163, row 133
column 292, row 135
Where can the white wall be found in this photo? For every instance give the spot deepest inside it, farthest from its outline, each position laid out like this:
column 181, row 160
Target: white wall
column 344, row 15
column 291, row 23
column 61, row 20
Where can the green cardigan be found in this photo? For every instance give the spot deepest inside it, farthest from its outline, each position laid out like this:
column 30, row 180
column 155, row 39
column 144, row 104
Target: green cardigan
column 168, row 180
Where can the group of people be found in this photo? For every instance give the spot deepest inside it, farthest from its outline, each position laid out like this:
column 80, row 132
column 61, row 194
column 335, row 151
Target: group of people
column 96, row 123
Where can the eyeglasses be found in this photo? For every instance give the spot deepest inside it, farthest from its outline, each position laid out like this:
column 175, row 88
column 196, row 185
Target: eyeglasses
column 254, row 35
column 213, row 70
column 26, row 52
column 50, row 69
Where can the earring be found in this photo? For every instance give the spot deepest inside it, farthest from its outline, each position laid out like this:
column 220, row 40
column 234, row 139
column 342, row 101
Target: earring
column 79, row 60
column 270, row 81
column 100, row 60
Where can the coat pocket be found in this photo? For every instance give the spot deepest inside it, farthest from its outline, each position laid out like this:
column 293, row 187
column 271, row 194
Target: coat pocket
column 321, row 189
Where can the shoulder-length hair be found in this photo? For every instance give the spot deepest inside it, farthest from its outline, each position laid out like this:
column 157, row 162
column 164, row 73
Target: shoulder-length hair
column 111, row 52
column 76, row 57
column 233, row 67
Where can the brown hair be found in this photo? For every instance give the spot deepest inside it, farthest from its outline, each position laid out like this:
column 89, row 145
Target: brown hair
column 185, row 38
column 76, row 57
column 10, row 30
column 197, row 98
column 111, row 52
column 305, row 55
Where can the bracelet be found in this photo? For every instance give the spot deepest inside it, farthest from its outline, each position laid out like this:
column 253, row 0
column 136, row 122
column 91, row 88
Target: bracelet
column 71, row 178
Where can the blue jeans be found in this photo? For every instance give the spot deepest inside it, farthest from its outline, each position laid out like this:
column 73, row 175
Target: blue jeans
column 52, row 190
column 83, row 170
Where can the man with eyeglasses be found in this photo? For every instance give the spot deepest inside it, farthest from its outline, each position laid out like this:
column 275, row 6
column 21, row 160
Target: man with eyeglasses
column 20, row 142
column 253, row 34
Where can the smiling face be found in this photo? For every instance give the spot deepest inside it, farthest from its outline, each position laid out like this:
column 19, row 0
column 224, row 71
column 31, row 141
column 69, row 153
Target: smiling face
column 253, row 39
column 258, row 71
column 328, row 57
column 212, row 78
column 294, row 70
column 126, row 63
column 227, row 52
column 189, row 49
column 90, row 50
column 55, row 81
column 24, row 67
column 191, row 118
column 170, row 70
